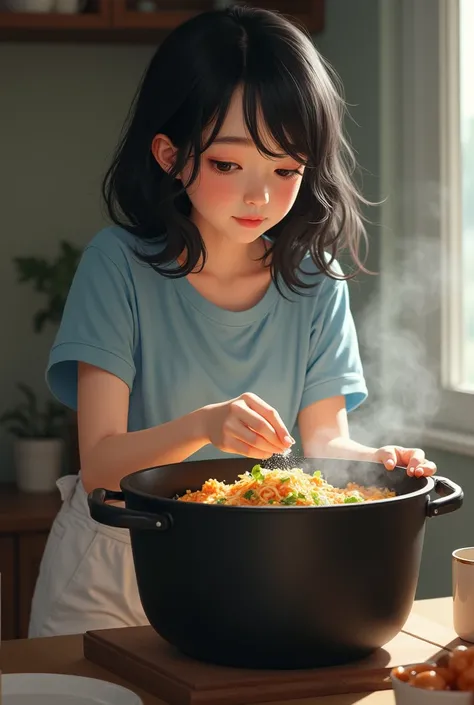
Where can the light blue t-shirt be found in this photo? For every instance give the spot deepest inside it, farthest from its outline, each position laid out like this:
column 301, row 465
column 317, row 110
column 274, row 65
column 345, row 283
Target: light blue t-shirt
column 177, row 351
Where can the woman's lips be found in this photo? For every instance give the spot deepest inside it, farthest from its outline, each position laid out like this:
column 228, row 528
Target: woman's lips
column 249, row 222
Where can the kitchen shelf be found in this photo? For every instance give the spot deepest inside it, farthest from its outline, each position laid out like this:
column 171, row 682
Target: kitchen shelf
column 119, row 20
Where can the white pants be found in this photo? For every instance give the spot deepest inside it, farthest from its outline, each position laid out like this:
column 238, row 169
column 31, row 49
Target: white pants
column 86, row 578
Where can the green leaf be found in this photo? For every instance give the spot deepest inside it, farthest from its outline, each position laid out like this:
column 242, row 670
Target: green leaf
column 350, row 500
column 19, row 432
column 257, row 473
column 40, row 319
column 14, row 415
column 290, row 499
column 29, row 394
column 249, row 494
column 28, row 421
column 52, row 279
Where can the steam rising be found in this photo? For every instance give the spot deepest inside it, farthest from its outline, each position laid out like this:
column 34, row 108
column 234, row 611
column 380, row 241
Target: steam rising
column 396, row 332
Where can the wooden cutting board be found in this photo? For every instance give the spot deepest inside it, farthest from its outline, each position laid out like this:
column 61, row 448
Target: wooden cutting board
column 142, row 657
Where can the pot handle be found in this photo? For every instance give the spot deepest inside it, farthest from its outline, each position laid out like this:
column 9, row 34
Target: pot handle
column 451, row 497
column 121, row 517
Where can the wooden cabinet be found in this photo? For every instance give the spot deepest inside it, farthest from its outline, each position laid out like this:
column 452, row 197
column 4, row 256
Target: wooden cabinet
column 25, row 521
column 121, row 20
column 7, row 584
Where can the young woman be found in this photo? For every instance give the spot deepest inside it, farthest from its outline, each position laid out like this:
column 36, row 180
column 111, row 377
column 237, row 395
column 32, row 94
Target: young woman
column 212, row 316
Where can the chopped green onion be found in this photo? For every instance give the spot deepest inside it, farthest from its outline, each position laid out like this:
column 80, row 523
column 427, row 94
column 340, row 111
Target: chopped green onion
column 317, row 473
column 350, row 500
column 285, row 479
column 221, row 500
column 249, row 494
column 290, row 499
column 257, row 473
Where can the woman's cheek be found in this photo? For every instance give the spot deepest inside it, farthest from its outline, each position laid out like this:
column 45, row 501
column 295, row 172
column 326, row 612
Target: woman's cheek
column 287, row 193
column 216, row 189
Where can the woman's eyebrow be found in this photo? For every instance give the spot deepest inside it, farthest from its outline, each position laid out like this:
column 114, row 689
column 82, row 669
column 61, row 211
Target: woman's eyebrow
column 245, row 141
column 230, row 139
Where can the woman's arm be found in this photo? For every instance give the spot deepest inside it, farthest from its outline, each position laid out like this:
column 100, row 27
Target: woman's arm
column 107, row 451
column 324, row 430
column 246, row 426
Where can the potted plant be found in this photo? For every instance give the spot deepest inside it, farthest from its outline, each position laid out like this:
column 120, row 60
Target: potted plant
column 53, row 279
column 39, row 442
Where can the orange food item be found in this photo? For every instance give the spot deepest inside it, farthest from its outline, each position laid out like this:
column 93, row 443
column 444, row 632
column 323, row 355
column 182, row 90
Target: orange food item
column 429, row 680
column 465, row 680
column 460, row 659
column 402, row 673
column 420, row 668
column 448, row 676
column 452, row 672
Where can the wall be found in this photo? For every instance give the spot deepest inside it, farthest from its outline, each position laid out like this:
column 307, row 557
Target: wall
column 61, row 109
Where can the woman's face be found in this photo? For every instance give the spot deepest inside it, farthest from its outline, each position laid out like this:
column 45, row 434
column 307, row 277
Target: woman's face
column 237, row 183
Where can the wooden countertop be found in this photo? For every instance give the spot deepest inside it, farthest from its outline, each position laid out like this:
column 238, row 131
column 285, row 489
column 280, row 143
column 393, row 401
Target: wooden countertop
column 21, row 511
column 63, row 654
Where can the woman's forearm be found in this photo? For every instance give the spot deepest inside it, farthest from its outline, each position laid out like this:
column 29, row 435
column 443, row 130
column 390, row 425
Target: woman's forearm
column 341, row 447
column 118, row 455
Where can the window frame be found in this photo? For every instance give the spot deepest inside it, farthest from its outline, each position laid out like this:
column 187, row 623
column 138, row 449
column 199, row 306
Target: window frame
column 419, row 111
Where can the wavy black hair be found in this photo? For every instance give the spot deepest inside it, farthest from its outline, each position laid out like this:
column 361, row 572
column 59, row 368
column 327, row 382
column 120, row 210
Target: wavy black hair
column 187, row 88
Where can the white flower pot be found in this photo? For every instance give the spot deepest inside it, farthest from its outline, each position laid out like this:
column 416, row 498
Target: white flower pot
column 38, row 463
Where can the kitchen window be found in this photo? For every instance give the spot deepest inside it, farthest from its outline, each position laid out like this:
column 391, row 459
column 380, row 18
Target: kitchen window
column 462, row 374
column 427, row 156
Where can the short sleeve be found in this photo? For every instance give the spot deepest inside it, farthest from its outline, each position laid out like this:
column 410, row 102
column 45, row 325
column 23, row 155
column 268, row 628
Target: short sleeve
column 97, row 326
column 334, row 366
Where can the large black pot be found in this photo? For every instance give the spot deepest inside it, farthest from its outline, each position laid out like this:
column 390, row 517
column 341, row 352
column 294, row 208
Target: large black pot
column 289, row 587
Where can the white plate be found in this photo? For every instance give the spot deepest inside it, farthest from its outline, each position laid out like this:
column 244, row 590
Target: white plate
column 57, row 689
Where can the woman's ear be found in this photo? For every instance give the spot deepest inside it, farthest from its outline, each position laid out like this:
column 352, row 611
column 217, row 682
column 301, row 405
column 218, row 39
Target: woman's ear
column 164, row 151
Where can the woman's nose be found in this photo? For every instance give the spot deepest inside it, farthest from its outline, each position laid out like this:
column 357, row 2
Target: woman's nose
column 257, row 196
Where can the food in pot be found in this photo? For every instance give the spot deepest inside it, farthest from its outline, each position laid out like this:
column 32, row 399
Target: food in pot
column 282, row 488
column 454, row 672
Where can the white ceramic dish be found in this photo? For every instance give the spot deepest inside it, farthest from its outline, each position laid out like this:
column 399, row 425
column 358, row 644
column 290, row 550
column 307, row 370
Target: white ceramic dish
column 57, row 689
column 406, row 694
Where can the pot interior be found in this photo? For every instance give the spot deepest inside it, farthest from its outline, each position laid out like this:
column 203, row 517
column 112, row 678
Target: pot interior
column 167, row 481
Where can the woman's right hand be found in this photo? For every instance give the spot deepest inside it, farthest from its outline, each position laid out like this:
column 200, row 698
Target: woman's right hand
column 247, row 426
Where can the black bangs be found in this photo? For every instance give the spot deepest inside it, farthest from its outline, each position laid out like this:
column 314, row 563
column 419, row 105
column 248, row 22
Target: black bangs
column 291, row 107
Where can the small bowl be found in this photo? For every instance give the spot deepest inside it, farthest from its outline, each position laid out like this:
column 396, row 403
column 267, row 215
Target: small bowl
column 406, row 694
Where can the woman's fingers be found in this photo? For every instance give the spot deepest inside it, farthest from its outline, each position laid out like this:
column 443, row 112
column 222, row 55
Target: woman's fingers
column 258, row 443
column 259, row 427
column 269, row 414
column 242, row 448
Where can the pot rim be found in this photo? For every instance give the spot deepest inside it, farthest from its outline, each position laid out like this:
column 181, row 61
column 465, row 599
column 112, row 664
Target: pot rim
column 125, row 485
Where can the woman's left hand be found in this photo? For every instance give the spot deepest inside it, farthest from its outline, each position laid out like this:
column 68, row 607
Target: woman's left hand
column 413, row 459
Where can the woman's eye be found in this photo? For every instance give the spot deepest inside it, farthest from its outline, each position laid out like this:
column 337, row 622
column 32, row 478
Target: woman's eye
column 223, row 167
column 288, row 173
